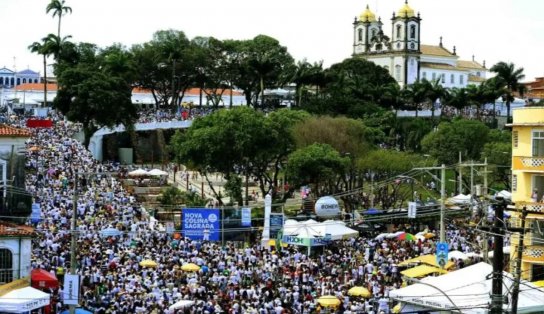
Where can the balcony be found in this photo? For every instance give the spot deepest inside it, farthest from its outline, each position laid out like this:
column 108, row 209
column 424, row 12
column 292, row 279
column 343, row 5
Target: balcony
column 533, row 254
column 528, row 163
column 16, row 204
column 531, row 206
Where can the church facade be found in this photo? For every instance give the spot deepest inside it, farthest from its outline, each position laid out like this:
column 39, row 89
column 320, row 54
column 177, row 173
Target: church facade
column 405, row 57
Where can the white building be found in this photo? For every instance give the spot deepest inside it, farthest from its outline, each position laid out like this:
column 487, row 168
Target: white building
column 403, row 55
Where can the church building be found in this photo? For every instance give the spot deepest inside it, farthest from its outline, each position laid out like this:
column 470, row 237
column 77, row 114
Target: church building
column 405, row 57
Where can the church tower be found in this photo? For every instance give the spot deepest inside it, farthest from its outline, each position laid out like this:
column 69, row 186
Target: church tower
column 405, row 43
column 365, row 30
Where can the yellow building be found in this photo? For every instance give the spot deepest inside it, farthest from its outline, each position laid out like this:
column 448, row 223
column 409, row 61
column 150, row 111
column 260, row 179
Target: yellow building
column 528, row 188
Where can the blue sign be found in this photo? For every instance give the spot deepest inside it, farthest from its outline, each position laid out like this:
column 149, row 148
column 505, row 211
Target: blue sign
column 442, row 253
column 276, row 223
column 36, row 214
column 201, row 223
column 246, row 217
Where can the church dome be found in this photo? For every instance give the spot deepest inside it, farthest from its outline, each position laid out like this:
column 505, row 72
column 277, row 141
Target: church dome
column 406, row 11
column 367, row 16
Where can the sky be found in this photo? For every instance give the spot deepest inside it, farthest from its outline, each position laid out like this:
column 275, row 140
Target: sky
column 491, row 30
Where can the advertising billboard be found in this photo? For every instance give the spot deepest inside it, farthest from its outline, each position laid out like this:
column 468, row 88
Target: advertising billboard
column 201, row 223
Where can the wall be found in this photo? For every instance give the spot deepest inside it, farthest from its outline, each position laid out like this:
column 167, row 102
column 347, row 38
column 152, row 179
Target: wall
column 12, row 243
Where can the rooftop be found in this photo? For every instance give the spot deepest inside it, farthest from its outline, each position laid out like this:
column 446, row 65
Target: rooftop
column 436, row 51
column 8, row 229
column 10, row 131
column 470, row 65
column 441, row 66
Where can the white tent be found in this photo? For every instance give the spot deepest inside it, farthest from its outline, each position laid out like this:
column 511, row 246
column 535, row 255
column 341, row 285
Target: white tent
column 467, row 289
column 457, row 255
column 505, row 194
column 138, row 172
column 337, row 230
column 459, row 199
column 182, row 304
column 157, row 172
column 312, row 229
column 23, row 300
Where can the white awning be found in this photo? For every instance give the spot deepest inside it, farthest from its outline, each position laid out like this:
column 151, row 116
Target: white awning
column 23, row 300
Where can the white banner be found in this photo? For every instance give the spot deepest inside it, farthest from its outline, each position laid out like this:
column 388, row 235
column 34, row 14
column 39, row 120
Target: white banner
column 412, row 209
column 71, row 289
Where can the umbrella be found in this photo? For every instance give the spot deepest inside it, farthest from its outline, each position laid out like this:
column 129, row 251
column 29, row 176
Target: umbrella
column 406, row 237
column 396, row 309
column 429, row 235
column 148, row 263
column 328, row 301
column 138, row 173
column 181, row 304
column 78, row 311
column 190, row 267
column 157, row 172
column 34, row 148
column 110, row 232
column 359, row 292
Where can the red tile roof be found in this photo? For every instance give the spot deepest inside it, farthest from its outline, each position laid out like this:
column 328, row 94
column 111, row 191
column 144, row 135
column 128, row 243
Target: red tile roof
column 10, row 131
column 36, row 87
column 8, row 229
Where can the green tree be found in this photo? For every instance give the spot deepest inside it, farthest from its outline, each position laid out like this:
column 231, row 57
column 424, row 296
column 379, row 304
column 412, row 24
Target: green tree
column 59, row 9
column 350, row 87
column 317, row 164
column 347, row 136
column 89, row 89
column 460, row 135
column 45, row 48
column 511, row 79
column 233, row 189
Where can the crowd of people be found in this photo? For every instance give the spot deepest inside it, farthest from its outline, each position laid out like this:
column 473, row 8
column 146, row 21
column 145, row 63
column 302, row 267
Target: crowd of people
column 231, row 279
column 163, row 115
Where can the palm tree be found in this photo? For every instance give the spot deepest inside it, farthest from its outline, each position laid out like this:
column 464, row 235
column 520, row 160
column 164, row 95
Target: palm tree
column 300, row 78
column 45, row 49
column 58, row 8
column 511, row 77
column 434, row 91
column 55, row 44
column 415, row 94
column 458, row 98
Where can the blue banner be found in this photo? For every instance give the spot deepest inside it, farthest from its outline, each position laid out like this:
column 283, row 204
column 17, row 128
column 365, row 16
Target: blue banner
column 276, row 223
column 36, row 214
column 201, row 223
column 246, row 217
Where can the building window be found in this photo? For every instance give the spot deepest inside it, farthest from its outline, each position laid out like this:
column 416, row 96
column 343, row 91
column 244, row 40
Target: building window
column 461, row 79
column 434, row 76
column 443, row 78
column 412, row 32
column 399, row 30
column 397, row 72
column 6, row 266
column 538, row 143
column 373, row 34
column 360, row 34
column 452, row 79
column 424, row 75
column 515, row 139
column 514, row 182
column 478, row 74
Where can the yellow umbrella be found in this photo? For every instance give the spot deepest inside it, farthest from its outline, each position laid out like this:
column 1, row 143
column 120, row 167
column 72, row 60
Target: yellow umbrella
column 359, row 292
column 328, row 301
column 190, row 267
column 148, row 263
column 429, row 235
column 396, row 309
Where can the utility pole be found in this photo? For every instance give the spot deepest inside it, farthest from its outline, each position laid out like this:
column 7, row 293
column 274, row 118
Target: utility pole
column 460, row 184
column 443, row 203
column 485, row 208
column 442, row 197
column 515, row 290
column 498, row 258
column 73, row 259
